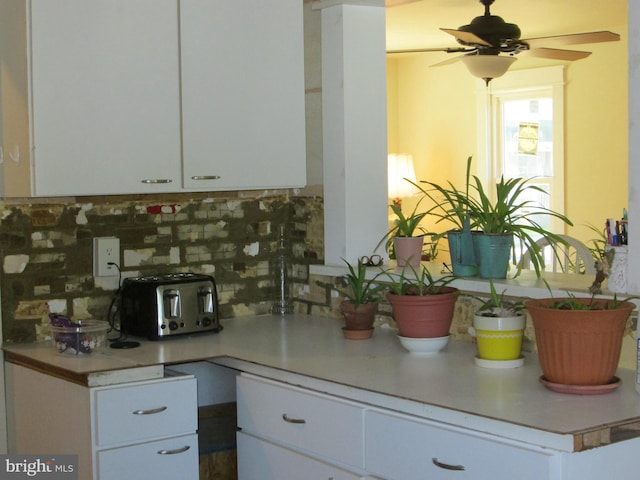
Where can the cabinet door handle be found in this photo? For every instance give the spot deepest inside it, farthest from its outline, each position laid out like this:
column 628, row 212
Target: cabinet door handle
column 149, row 412
column 174, row 452
column 446, row 466
column 288, row 419
column 206, row 177
column 156, row 180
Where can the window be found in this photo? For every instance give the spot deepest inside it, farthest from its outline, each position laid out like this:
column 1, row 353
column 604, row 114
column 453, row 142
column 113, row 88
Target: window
column 521, row 134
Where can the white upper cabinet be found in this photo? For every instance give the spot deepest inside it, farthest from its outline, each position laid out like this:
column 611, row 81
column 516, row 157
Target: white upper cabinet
column 104, row 106
column 243, row 94
column 94, row 101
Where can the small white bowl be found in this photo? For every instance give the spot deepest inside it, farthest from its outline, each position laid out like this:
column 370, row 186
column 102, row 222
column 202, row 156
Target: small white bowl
column 424, row 346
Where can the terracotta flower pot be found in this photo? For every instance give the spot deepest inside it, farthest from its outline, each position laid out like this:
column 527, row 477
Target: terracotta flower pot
column 424, row 316
column 358, row 321
column 408, row 250
column 578, row 347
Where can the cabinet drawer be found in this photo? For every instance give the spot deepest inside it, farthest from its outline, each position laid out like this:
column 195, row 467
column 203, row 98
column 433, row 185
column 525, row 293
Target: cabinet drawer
column 170, row 459
column 399, row 447
column 262, row 460
column 155, row 409
column 306, row 420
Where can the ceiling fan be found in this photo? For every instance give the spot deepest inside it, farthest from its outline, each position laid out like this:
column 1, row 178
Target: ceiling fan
column 490, row 44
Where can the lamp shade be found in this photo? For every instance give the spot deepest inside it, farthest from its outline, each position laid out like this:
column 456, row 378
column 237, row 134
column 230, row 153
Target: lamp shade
column 487, row 66
column 401, row 167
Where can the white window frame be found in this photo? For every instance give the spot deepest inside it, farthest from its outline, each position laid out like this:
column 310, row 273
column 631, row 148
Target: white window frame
column 514, row 84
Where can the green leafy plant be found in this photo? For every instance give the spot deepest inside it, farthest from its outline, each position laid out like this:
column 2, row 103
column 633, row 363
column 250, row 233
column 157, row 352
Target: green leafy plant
column 419, row 282
column 512, row 211
column 572, row 302
column 430, row 249
column 498, row 306
column 404, row 225
column 598, row 245
column 450, row 204
column 361, row 289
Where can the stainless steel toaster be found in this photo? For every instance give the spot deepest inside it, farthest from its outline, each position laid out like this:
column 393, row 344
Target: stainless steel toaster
column 162, row 306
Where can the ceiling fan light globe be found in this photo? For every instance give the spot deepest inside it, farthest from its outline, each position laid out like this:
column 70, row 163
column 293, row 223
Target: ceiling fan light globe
column 487, row 66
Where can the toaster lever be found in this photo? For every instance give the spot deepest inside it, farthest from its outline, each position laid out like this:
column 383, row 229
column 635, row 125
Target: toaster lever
column 205, row 299
column 171, row 299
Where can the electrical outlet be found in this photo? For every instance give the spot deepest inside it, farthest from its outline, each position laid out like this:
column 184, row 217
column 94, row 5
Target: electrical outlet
column 106, row 252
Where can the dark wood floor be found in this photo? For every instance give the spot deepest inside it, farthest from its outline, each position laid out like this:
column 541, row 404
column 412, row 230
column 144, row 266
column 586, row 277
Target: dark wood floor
column 217, row 442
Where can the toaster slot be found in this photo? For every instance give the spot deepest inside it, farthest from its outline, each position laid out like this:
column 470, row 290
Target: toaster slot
column 171, row 303
column 205, row 300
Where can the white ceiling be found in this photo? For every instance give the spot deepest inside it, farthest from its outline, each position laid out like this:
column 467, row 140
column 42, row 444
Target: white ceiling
column 417, row 24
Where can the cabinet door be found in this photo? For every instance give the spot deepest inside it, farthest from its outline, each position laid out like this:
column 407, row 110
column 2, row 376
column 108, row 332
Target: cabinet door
column 262, row 460
column 170, row 459
column 105, row 96
column 137, row 412
column 399, row 447
column 304, row 420
column 242, row 94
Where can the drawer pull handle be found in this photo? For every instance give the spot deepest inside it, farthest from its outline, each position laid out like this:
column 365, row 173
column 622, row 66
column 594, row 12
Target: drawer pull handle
column 206, row 177
column 156, row 180
column 288, row 419
column 174, row 452
column 446, row 466
column 149, row 412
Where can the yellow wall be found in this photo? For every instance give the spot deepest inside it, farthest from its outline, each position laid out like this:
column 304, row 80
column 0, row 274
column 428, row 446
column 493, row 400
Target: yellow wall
column 432, row 115
column 596, row 135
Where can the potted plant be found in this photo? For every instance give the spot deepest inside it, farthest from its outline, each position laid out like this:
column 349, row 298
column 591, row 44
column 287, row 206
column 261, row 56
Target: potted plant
column 452, row 205
column 579, row 341
column 496, row 224
column 430, row 248
column 511, row 217
column 361, row 304
column 498, row 326
column 406, row 237
column 421, row 305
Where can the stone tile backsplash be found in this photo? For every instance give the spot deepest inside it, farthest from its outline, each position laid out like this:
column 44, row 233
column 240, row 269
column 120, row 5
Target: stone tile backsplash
column 47, row 249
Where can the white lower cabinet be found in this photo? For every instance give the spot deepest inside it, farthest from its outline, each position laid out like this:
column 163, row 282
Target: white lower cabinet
column 259, row 459
column 172, row 458
column 290, row 433
column 401, row 447
column 136, row 430
column 131, row 417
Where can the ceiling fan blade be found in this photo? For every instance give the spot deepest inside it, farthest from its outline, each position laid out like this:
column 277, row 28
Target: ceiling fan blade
column 448, row 61
column 466, row 37
column 426, row 50
column 573, row 39
column 556, row 54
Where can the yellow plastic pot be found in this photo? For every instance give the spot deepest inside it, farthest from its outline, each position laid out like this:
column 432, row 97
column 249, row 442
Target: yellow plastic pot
column 499, row 338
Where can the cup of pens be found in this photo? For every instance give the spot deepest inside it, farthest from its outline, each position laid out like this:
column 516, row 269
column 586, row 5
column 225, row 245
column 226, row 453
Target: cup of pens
column 617, row 238
column 616, row 231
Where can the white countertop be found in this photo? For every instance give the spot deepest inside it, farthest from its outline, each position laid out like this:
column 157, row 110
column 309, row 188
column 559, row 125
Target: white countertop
column 311, row 351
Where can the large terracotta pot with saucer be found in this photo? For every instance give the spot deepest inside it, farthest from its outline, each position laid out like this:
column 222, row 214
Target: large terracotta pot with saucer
column 579, row 341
